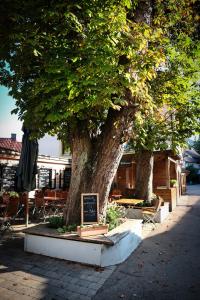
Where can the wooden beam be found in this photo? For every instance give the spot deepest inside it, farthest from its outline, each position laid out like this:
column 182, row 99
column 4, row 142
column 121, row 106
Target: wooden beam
column 168, row 173
column 171, row 159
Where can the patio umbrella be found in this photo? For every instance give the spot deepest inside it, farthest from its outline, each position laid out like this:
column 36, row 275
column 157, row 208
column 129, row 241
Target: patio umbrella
column 27, row 166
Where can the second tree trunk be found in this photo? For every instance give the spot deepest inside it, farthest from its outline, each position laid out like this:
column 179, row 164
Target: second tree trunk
column 144, row 175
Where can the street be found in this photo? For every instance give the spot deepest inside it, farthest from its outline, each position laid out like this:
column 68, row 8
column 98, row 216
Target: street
column 167, row 263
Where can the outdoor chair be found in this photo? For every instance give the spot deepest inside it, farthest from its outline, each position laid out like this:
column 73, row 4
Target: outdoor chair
column 40, row 210
column 9, row 214
column 58, row 207
column 6, row 198
column 116, row 194
column 58, row 193
column 51, row 193
column 39, row 193
column 64, row 195
column 46, row 192
column 3, row 207
column 22, row 205
column 150, row 213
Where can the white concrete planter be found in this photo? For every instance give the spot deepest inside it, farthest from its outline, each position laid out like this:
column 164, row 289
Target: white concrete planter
column 110, row 249
column 136, row 213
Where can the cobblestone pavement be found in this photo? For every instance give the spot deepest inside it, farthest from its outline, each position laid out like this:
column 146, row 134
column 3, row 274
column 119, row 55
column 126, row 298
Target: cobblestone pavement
column 27, row 276
column 166, row 265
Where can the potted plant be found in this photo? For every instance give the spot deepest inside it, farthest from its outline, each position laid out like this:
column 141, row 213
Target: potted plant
column 13, row 194
column 114, row 215
column 173, row 182
column 7, row 196
column 90, row 230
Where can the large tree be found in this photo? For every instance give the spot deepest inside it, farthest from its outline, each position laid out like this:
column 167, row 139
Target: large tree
column 161, row 131
column 81, row 70
column 175, row 117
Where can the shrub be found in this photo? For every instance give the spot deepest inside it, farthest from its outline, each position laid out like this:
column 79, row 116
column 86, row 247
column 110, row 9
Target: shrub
column 144, row 204
column 56, row 222
column 113, row 214
column 68, row 228
column 173, row 182
column 13, row 194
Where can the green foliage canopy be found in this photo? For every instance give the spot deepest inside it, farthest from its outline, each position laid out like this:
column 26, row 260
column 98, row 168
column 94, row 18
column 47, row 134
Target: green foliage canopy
column 176, row 97
column 71, row 61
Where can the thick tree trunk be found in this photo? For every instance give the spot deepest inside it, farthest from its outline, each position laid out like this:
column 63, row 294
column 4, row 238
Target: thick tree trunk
column 107, row 159
column 94, row 163
column 144, row 175
column 98, row 180
column 81, row 148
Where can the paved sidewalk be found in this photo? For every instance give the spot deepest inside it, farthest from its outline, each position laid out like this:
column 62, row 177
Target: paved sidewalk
column 27, row 276
column 165, row 266
column 167, row 263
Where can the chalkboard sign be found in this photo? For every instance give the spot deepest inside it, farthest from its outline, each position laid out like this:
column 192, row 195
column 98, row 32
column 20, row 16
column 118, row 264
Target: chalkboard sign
column 45, row 178
column 8, row 182
column 89, row 208
column 67, row 178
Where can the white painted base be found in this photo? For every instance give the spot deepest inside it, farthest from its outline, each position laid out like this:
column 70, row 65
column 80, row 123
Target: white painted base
column 125, row 238
column 163, row 213
column 136, row 213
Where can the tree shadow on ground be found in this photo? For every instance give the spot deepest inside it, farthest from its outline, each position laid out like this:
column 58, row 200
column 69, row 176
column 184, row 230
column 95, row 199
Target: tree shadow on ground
column 166, row 265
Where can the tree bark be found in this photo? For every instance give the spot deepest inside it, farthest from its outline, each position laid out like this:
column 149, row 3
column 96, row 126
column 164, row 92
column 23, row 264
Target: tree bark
column 95, row 162
column 144, row 175
column 80, row 149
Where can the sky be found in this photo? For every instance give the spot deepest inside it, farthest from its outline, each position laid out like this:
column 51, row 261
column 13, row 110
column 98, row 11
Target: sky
column 8, row 123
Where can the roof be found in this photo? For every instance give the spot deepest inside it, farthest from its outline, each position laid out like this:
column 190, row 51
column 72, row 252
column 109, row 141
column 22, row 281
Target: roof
column 192, row 153
column 191, row 156
column 9, row 144
column 130, row 156
column 167, row 153
column 191, row 160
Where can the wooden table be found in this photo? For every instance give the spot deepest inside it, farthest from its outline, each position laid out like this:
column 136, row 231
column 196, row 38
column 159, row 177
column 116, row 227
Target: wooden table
column 125, row 201
column 58, row 203
column 54, row 199
column 116, row 196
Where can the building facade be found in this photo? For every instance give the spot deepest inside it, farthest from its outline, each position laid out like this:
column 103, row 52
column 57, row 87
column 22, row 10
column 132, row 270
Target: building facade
column 53, row 172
